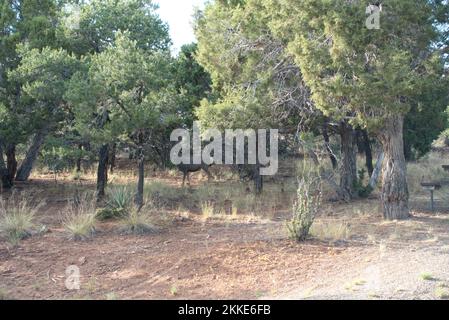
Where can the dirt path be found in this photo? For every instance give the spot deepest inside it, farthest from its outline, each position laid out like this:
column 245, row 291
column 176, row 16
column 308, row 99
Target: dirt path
column 398, row 267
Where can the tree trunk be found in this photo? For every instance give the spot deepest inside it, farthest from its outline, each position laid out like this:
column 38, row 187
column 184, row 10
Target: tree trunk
column 141, row 181
column 409, row 156
column 102, row 171
column 26, row 167
column 258, row 180
column 257, row 177
column 394, row 176
column 78, row 161
column 113, row 157
column 376, row 173
column 4, row 174
column 328, row 147
column 348, row 166
column 11, row 162
column 368, row 152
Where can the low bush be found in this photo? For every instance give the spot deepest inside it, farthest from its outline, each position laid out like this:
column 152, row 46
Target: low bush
column 306, row 206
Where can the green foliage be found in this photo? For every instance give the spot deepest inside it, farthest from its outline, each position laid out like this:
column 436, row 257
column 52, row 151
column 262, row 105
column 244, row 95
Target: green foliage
column 120, row 92
column 251, row 71
column 306, row 206
column 22, row 22
column 192, row 80
column 427, row 117
column 119, row 203
column 57, row 155
column 354, row 71
column 92, row 27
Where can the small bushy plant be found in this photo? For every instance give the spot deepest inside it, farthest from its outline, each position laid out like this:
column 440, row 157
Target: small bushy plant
column 118, row 204
column 306, row 206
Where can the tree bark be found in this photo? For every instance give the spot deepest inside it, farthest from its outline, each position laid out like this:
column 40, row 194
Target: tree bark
column 141, row 181
column 395, row 193
column 328, row 147
column 78, row 161
column 258, row 180
column 257, row 177
column 348, row 166
column 26, row 167
column 113, row 157
column 376, row 173
column 4, row 174
column 11, row 162
column 102, row 171
column 368, row 152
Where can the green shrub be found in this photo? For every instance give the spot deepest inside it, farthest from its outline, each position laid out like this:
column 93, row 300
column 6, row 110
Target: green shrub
column 306, row 206
column 118, row 204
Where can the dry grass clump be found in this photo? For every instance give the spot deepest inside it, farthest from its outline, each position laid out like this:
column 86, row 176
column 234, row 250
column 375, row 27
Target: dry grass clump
column 161, row 195
column 139, row 222
column 17, row 217
column 331, row 230
column 80, row 220
column 428, row 168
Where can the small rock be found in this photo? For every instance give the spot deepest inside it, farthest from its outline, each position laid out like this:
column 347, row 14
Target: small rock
column 82, row 260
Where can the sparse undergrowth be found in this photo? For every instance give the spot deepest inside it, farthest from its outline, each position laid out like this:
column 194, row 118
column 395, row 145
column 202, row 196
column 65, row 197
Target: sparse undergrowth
column 331, row 231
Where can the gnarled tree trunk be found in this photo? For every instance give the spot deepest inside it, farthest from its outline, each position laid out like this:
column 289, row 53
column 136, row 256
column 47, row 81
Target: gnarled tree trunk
column 394, row 175
column 348, row 166
column 102, row 171
column 26, row 167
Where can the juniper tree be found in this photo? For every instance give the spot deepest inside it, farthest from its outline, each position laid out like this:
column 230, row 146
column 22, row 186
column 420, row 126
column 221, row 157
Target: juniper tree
column 33, row 23
column 256, row 84
column 367, row 77
column 126, row 91
column 91, row 27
